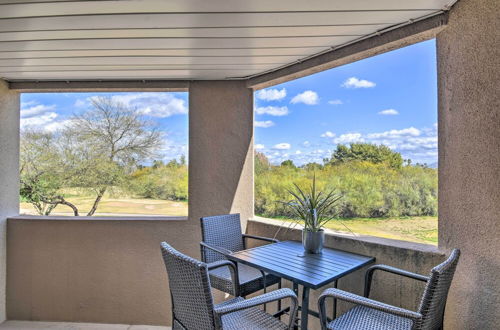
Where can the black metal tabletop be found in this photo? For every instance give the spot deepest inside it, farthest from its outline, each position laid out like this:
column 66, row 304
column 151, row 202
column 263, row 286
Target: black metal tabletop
column 288, row 260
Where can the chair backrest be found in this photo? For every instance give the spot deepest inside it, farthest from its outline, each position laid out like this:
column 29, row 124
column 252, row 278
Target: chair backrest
column 436, row 292
column 192, row 302
column 223, row 231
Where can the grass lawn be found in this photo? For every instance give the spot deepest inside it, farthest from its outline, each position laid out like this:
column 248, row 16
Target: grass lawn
column 414, row 229
column 118, row 206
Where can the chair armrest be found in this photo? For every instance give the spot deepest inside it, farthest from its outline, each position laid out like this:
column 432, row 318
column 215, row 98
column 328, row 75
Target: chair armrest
column 233, row 269
column 389, row 269
column 216, row 249
column 358, row 300
column 260, row 300
column 267, row 239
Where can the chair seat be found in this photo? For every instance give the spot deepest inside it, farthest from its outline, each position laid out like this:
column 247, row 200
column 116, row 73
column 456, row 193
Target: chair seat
column 361, row 317
column 249, row 319
column 251, row 279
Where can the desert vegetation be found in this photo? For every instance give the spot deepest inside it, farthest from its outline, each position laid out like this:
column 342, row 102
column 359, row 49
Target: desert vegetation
column 374, row 182
column 103, row 163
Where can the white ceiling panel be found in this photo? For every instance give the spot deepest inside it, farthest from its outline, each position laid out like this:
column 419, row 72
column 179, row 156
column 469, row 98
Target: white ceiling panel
column 61, row 8
column 233, row 32
column 205, row 20
column 169, row 43
column 163, row 53
column 126, row 74
column 183, row 39
column 125, row 60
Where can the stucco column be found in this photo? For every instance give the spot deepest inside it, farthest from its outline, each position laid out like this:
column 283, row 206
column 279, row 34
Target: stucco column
column 9, row 173
column 220, row 149
column 469, row 160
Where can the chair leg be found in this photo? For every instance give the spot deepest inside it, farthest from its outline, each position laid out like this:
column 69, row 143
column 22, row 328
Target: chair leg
column 279, row 301
column 334, row 303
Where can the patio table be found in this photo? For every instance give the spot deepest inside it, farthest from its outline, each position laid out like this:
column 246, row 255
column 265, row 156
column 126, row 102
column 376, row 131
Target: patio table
column 288, row 260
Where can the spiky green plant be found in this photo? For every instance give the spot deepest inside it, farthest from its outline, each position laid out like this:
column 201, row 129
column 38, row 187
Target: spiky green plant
column 314, row 209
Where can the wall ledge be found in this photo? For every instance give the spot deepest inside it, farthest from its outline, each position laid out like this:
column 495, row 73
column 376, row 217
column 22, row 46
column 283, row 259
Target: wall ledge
column 421, row 247
column 84, row 218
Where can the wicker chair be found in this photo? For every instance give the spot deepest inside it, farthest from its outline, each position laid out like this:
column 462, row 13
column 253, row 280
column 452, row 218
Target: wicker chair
column 373, row 315
column 222, row 235
column 192, row 303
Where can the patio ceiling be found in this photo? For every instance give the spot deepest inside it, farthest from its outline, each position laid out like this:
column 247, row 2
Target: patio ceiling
column 183, row 39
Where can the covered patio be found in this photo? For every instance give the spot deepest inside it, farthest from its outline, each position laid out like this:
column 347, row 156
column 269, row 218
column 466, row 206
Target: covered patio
column 110, row 271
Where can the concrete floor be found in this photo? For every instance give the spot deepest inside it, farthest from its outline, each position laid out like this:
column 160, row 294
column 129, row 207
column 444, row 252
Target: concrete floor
column 27, row 325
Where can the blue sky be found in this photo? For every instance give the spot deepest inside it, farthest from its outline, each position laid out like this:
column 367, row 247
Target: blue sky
column 387, row 99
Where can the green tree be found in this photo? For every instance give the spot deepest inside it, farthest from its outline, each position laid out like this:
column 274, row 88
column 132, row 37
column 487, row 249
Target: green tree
column 366, row 152
column 105, row 143
column 42, row 175
column 169, row 182
column 262, row 164
column 288, row 163
column 97, row 150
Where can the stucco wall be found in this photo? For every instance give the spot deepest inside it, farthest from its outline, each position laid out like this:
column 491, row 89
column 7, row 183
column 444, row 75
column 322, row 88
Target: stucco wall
column 392, row 289
column 108, row 270
column 469, row 160
column 101, row 271
column 9, row 178
column 220, row 149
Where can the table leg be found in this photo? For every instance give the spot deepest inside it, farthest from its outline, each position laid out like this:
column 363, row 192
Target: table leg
column 304, row 313
column 296, row 290
column 334, row 303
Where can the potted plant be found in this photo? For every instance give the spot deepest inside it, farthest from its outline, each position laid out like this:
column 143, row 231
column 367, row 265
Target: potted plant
column 313, row 209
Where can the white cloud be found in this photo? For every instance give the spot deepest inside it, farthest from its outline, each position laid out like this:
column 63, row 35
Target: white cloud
column 420, row 145
column 259, row 146
column 389, row 112
column 264, row 124
column 307, row 97
column 160, row 105
column 172, row 150
column 354, row 82
column 335, row 102
column 349, row 138
column 40, row 117
column 38, row 122
column 328, row 134
column 410, row 131
column 271, row 94
column 57, row 125
column 35, row 110
column 82, row 103
column 272, row 111
column 282, row 146
column 298, row 152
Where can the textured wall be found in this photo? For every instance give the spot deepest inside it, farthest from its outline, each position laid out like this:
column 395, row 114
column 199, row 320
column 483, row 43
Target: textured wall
column 389, row 288
column 102, row 271
column 111, row 271
column 9, row 173
column 469, row 160
column 220, row 149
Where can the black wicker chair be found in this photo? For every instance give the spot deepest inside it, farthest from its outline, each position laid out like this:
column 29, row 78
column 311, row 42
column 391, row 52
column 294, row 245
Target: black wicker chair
column 192, row 302
column 222, row 235
column 374, row 315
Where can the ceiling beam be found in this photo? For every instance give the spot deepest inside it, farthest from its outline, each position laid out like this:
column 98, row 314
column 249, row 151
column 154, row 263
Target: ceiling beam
column 381, row 42
column 100, row 86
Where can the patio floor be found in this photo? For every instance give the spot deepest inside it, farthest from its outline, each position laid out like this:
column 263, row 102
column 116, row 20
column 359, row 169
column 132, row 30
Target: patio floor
column 27, row 325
